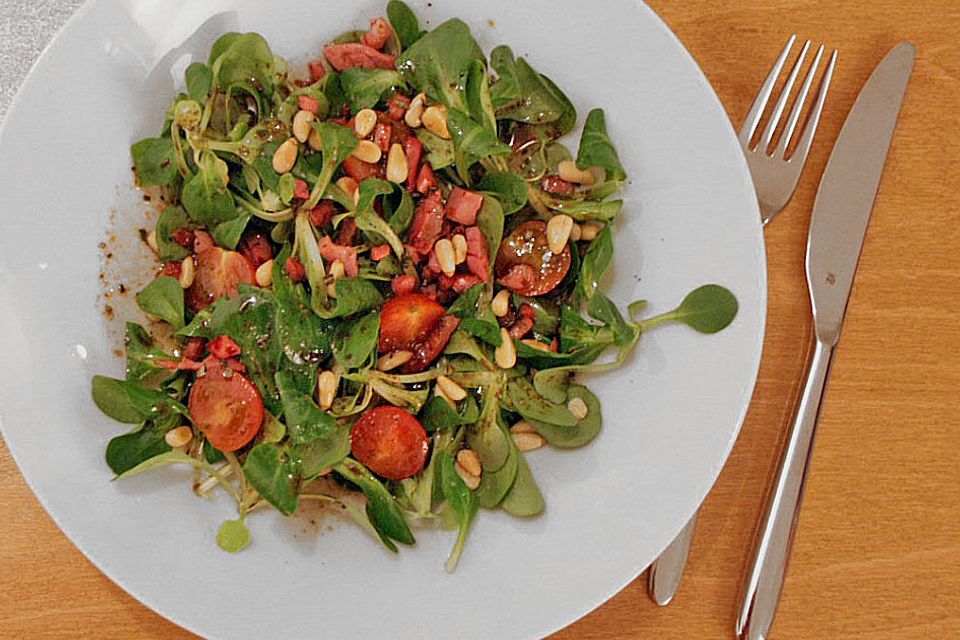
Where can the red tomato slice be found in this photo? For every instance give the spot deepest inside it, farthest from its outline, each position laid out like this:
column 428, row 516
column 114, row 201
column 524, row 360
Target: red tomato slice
column 406, row 320
column 390, row 442
column 525, row 263
column 218, row 274
column 227, row 408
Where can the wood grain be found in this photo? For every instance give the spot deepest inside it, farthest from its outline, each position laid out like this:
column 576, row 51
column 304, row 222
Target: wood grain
column 877, row 553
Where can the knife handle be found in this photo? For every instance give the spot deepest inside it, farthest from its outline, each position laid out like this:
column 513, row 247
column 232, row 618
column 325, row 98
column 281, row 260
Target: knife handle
column 764, row 583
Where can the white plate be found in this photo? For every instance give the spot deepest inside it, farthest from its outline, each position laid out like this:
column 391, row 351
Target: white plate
column 671, row 417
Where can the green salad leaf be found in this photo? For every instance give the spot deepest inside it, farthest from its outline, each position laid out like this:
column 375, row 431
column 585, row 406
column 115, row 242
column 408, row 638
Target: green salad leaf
column 596, row 147
column 404, row 22
column 155, row 162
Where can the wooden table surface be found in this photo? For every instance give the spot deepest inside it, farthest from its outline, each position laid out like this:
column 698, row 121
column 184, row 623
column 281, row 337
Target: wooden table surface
column 877, row 554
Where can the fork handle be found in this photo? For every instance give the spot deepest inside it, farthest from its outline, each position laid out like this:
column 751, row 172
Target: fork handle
column 764, row 583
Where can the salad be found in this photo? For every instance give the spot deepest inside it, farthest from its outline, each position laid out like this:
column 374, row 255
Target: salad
column 381, row 274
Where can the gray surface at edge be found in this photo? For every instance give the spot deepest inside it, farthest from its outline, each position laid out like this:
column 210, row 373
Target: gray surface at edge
column 26, row 27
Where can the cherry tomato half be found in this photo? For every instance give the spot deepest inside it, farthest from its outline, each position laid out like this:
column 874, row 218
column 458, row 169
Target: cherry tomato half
column 390, row 442
column 525, row 263
column 406, row 320
column 227, row 408
column 217, row 274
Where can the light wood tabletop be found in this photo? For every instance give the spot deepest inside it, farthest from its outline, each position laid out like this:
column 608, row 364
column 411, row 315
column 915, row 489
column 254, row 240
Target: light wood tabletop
column 877, row 553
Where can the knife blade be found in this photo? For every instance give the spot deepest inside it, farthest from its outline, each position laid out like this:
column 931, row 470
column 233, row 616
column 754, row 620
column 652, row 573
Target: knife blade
column 838, row 225
column 844, row 200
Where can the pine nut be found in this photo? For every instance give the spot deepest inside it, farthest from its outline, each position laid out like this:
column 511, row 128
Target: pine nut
column 470, row 461
column 506, row 354
column 326, row 389
column 451, row 389
column 337, row 269
column 187, row 272
column 415, row 111
column 364, row 122
column 397, row 166
column 578, row 408
column 301, row 125
column 528, row 441
column 459, row 248
column 314, row 140
column 350, row 186
column 264, row 274
column 367, row 151
column 501, row 303
column 392, row 360
column 472, row 481
column 438, row 391
column 568, row 170
column 152, row 240
column 536, row 344
column 285, row 156
column 575, row 233
column 332, row 290
column 446, row 256
column 558, row 232
column 178, row 437
column 435, row 120
column 589, row 231
column 522, row 427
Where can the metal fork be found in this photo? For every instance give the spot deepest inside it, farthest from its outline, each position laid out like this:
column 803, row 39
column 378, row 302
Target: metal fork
column 775, row 177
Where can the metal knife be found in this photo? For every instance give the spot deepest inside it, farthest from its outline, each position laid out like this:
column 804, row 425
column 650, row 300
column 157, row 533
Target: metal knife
column 841, row 213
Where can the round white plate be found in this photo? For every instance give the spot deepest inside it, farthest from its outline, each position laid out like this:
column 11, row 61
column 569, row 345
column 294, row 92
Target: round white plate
column 670, row 417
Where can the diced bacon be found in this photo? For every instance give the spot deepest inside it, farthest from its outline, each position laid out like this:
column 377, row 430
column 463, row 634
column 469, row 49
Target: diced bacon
column 360, row 170
column 459, row 282
column 321, row 214
column 521, row 327
column 295, row 270
column 478, row 253
column 379, row 251
column 397, row 106
column 301, row 189
column 347, row 255
column 526, row 311
column 381, row 135
column 432, row 346
column 354, row 54
column 555, row 185
column 224, row 347
column 347, row 232
column 378, row 34
column 202, row 241
column 425, row 178
column 427, row 223
column 193, row 349
column 256, row 248
column 403, row 284
column 317, row 71
column 430, row 291
column 183, row 237
column 413, row 149
column 463, row 205
column 520, row 277
column 308, row 103
column 171, row 269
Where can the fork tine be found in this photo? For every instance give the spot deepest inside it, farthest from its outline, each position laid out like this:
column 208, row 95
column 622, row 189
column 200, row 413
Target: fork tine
column 760, row 102
column 794, row 117
column 782, row 100
column 803, row 146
